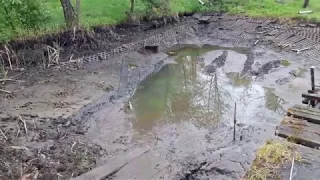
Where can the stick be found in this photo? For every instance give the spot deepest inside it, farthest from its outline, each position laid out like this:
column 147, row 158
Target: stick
column 234, row 121
column 291, row 176
column 18, row 130
column 8, row 92
column 24, row 124
column 299, row 50
column 8, row 54
column 19, row 147
column 3, row 134
column 3, row 80
column 73, row 146
column 255, row 43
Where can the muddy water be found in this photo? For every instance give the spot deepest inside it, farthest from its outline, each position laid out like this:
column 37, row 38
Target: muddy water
column 202, row 91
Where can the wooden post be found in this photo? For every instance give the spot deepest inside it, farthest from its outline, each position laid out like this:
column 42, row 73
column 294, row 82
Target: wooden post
column 313, row 86
column 234, row 121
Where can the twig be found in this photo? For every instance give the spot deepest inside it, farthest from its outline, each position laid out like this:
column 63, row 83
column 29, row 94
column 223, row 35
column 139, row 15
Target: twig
column 5, row 91
column 19, row 147
column 284, row 45
column 3, row 134
column 3, row 80
column 73, row 146
column 291, row 169
column 8, row 54
column 24, row 124
column 299, row 50
column 18, row 131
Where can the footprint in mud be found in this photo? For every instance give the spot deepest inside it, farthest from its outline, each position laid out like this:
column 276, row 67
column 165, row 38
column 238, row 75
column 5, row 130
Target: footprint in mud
column 265, row 68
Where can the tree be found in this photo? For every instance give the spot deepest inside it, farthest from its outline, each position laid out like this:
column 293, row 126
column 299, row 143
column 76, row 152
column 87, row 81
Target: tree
column 69, row 13
column 132, row 6
column 306, row 3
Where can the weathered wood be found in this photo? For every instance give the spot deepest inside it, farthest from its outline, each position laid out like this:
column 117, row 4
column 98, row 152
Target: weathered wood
column 314, row 97
column 305, row 113
column 308, row 167
column 301, row 132
column 113, row 165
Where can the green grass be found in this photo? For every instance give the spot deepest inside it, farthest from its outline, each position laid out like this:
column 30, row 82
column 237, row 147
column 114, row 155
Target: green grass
column 271, row 8
column 106, row 12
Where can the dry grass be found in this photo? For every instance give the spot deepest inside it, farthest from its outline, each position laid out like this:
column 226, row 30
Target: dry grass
column 270, row 158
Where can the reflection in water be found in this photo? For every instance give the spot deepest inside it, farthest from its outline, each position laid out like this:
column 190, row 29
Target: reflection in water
column 183, row 92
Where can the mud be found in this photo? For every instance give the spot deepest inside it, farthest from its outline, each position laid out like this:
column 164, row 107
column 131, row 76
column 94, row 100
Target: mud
column 61, row 121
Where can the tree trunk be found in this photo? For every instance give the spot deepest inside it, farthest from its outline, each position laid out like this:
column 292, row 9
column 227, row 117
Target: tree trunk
column 306, row 3
column 78, row 11
column 132, row 6
column 69, row 14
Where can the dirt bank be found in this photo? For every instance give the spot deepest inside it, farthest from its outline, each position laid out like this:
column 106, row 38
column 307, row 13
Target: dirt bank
column 61, row 121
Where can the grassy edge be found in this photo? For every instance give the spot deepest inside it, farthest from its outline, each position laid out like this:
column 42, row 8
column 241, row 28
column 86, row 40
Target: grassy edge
column 273, row 155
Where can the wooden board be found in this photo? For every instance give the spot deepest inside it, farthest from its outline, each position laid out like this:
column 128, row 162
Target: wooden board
column 314, row 97
column 112, row 166
column 306, row 113
column 306, row 168
column 300, row 131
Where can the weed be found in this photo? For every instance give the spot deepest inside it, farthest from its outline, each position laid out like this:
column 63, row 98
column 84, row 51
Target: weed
column 285, row 63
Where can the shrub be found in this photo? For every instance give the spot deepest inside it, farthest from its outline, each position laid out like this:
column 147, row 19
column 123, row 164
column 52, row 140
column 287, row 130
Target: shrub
column 23, row 13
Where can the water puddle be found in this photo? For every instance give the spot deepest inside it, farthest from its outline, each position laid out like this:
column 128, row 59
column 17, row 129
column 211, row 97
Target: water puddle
column 202, row 92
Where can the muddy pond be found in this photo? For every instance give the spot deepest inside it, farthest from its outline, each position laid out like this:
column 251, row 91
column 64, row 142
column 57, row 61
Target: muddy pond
column 201, row 85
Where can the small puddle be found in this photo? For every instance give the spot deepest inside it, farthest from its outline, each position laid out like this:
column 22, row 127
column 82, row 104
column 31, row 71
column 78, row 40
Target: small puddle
column 185, row 91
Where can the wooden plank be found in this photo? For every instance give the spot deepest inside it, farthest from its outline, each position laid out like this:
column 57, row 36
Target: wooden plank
column 113, row 165
column 307, row 168
column 301, row 132
column 305, row 113
column 314, row 97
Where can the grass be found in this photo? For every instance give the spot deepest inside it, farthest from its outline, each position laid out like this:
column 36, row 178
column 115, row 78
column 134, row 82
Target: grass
column 269, row 159
column 272, row 8
column 102, row 12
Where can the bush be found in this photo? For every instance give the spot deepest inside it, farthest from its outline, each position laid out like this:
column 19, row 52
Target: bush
column 23, row 13
column 157, row 8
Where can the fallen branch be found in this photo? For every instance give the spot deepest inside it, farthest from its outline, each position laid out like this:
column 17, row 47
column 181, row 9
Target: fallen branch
column 24, row 125
column 299, row 50
column 304, row 12
column 8, row 92
column 3, row 134
column 3, row 80
column 19, row 147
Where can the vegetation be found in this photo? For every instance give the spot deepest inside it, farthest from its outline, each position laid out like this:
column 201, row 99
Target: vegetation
column 270, row 158
column 25, row 18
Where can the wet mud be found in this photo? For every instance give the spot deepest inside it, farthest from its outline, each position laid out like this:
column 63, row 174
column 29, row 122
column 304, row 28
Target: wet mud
column 61, row 121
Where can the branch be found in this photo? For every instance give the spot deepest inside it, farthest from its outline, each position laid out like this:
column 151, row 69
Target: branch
column 8, row 92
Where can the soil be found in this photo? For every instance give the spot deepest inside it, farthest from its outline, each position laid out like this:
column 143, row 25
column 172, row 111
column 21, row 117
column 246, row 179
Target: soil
column 62, row 120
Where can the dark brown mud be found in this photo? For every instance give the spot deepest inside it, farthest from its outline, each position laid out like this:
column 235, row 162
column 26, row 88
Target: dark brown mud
column 74, row 114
